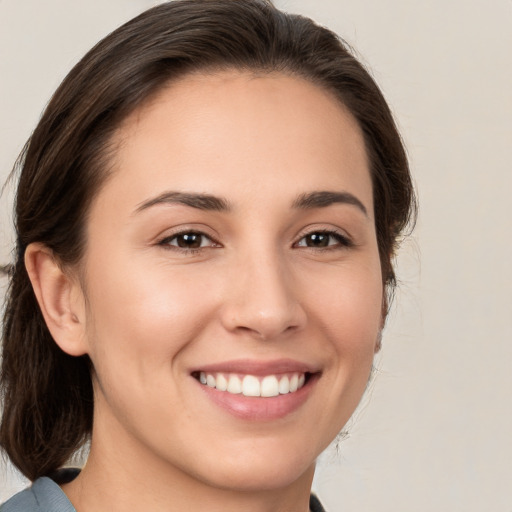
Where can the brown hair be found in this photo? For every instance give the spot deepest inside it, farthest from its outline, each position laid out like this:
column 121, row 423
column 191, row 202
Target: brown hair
column 47, row 394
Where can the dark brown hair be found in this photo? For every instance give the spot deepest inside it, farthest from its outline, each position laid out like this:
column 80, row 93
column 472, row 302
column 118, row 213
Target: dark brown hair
column 47, row 395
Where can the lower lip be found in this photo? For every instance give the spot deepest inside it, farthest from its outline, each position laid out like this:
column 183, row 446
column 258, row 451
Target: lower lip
column 258, row 408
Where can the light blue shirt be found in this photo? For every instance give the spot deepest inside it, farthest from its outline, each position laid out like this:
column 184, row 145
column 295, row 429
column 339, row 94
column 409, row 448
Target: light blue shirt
column 44, row 495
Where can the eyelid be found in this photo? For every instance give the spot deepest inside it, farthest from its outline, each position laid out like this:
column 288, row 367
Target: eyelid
column 344, row 239
column 164, row 240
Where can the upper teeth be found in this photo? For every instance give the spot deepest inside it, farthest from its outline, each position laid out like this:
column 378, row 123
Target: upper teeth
column 249, row 385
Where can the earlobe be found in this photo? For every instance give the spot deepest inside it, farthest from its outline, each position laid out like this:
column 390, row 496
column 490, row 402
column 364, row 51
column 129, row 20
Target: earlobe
column 60, row 299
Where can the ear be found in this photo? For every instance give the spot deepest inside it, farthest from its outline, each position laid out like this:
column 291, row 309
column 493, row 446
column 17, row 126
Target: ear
column 60, row 298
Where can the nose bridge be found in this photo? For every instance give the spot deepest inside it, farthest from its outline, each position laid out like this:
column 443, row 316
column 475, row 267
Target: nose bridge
column 263, row 300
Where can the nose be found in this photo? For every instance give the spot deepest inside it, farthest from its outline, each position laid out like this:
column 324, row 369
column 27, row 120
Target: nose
column 262, row 300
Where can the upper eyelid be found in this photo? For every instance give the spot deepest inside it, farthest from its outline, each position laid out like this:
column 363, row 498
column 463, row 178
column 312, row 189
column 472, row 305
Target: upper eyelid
column 174, row 232
column 172, row 236
column 308, row 230
column 342, row 239
column 323, row 229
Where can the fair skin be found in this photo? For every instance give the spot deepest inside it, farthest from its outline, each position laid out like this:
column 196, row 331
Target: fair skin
column 275, row 274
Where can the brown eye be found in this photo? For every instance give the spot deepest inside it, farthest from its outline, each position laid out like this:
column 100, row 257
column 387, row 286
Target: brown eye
column 323, row 239
column 188, row 240
column 317, row 240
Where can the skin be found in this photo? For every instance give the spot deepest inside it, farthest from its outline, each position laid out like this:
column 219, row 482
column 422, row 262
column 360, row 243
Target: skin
column 147, row 311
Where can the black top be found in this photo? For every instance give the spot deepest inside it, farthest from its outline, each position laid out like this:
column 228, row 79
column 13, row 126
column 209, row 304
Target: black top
column 315, row 505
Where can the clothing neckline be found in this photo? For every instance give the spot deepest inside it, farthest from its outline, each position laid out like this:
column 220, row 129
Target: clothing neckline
column 50, row 496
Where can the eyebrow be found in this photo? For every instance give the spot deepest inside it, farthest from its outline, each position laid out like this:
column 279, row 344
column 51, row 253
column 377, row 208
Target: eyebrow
column 322, row 199
column 199, row 201
column 306, row 201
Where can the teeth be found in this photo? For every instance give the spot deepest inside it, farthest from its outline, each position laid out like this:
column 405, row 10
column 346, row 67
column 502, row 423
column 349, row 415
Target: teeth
column 270, row 386
column 294, row 383
column 222, row 383
column 210, row 381
column 284, row 385
column 250, row 385
column 234, row 385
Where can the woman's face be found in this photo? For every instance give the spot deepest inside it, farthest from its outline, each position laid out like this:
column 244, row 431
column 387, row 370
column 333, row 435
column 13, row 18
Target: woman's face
column 235, row 244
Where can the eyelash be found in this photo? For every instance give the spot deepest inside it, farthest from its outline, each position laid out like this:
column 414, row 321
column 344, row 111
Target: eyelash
column 342, row 241
column 166, row 242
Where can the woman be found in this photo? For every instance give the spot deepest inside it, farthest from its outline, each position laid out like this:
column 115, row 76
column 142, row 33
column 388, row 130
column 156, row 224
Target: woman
column 206, row 217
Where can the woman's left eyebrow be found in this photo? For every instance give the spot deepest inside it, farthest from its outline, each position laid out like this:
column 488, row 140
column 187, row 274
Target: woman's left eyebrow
column 322, row 199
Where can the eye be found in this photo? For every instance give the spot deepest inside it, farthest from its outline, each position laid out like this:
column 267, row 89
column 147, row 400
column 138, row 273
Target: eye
column 324, row 239
column 191, row 240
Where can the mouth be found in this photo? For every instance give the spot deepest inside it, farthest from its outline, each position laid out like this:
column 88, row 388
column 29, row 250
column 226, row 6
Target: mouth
column 258, row 391
column 266, row 386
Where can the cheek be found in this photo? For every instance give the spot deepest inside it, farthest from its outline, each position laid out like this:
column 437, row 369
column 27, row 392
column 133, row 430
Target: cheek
column 141, row 320
column 349, row 302
column 345, row 317
column 349, row 312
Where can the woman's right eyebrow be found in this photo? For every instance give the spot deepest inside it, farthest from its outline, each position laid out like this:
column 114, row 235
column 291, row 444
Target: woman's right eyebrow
column 199, row 201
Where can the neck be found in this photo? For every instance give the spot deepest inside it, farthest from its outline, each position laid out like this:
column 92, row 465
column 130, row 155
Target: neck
column 129, row 479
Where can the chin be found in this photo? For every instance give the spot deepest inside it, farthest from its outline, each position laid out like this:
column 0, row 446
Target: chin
column 261, row 470
column 271, row 477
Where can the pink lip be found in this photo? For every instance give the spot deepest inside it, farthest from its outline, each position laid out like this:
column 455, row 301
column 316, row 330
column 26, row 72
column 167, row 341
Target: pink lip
column 258, row 368
column 258, row 408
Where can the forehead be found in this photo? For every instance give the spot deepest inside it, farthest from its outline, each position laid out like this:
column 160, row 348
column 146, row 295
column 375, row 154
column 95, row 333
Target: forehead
column 249, row 131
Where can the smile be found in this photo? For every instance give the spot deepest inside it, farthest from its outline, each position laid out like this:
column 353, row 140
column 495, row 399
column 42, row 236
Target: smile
column 253, row 390
column 251, row 386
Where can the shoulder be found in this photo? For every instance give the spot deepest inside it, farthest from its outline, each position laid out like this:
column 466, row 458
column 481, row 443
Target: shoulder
column 43, row 496
column 24, row 501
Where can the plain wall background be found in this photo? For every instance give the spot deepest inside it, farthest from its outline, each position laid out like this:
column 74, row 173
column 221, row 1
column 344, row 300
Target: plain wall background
column 434, row 432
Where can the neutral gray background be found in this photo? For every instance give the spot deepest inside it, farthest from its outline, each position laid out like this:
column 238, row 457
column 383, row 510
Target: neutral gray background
column 434, row 432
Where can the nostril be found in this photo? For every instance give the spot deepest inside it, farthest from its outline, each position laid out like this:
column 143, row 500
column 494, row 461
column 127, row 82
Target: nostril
column 266, row 328
column 266, row 307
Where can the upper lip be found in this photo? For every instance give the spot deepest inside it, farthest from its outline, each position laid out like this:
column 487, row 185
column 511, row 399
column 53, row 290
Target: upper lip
column 258, row 368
